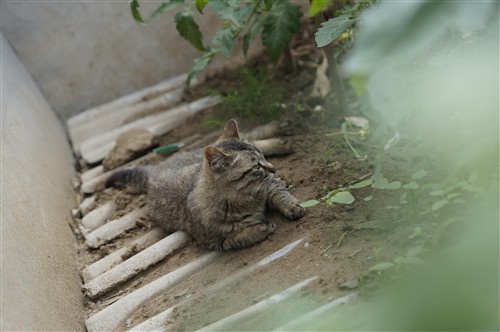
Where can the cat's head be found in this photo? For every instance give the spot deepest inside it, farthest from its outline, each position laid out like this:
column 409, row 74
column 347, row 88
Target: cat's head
column 232, row 159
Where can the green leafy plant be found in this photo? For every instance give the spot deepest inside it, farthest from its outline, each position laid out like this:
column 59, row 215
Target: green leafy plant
column 253, row 85
column 276, row 21
column 348, row 132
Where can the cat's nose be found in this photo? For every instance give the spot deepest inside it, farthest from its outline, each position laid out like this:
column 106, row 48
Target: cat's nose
column 268, row 166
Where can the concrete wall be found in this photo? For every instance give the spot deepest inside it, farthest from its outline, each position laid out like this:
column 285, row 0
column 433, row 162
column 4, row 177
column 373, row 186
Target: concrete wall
column 85, row 53
column 40, row 287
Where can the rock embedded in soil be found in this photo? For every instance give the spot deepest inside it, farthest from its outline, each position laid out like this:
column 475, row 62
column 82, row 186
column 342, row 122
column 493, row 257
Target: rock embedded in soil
column 129, row 146
column 351, row 284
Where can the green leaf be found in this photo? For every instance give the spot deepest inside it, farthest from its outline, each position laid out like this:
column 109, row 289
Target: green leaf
column 368, row 198
column 227, row 12
column 342, row 197
column 362, row 184
column 327, row 156
column 331, row 194
column 136, row 14
column 166, row 6
column 381, row 266
column 250, row 36
column 268, row 4
column 473, row 188
column 419, row 175
column 225, row 39
column 188, row 29
column 438, row 192
column 394, row 185
column 417, row 231
column 280, row 24
column 439, row 204
column 317, row 6
column 309, row 203
column 200, row 4
column 452, row 196
column 332, row 29
column 200, row 64
column 411, row 185
column 380, row 183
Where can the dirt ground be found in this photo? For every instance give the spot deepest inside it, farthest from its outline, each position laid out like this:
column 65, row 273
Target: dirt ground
column 339, row 243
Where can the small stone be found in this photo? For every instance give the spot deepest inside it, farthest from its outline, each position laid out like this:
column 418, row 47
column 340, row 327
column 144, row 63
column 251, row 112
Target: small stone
column 351, row 284
column 129, row 145
column 75, row 212
column 306, row 245
column 76, row 182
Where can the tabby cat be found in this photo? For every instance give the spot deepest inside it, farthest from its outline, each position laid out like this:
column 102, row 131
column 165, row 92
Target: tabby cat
column 219, row 199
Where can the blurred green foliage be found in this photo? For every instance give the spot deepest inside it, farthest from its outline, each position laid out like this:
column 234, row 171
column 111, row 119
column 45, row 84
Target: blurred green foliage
column 428, row 73
column 431, row 71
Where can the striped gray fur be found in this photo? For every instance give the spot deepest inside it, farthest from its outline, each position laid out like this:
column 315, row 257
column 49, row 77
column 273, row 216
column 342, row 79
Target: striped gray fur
column 218, row 195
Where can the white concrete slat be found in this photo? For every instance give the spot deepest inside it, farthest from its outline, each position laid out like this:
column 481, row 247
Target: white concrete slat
column 91, row 173
column 98, row 216
column 313, row 315
column 155, row 322
column 135, row 264
column 273, row 147
column 115, row 119
column 110, row 318
column 180, row 116
column 108, row 262
column 114, row 228
column 159, row 320
column 124, row 101
column 225, row 283
column 95, row 149
column 231, row 322
column 87, row 205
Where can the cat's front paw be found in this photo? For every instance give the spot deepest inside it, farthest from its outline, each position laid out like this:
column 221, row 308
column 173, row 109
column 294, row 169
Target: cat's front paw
column 295, row 212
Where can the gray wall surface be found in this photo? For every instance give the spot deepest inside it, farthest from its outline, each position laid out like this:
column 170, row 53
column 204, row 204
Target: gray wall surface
column 83, row 54
column 40, row 286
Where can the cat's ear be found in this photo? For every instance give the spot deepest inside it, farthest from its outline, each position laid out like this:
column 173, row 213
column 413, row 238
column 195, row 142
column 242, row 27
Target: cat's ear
column 217, row 159
column 231, row 130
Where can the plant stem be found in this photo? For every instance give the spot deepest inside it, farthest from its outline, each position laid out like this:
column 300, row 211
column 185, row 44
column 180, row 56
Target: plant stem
column 337, row 84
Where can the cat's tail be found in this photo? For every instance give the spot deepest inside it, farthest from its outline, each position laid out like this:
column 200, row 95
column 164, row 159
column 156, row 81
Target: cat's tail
column 136, row 178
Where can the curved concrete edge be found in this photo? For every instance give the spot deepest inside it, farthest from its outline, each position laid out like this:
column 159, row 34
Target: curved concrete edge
column 40, row 286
